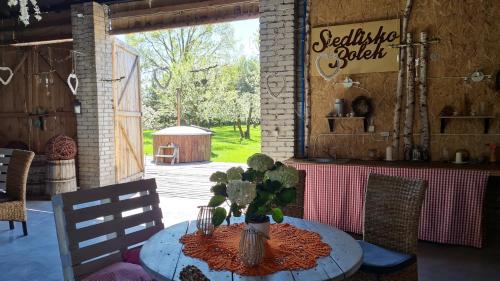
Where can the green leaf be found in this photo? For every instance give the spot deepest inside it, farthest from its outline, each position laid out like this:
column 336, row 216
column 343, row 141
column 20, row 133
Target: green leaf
column 277, row 215
column 235, row 209
column 219, row 189
column 216, row 200
column 272, row 186
column 219, row 216
column 261, row 210
column 286, row 196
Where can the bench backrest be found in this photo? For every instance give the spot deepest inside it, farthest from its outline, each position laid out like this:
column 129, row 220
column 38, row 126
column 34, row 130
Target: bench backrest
column 5, row 154
column 95, row 226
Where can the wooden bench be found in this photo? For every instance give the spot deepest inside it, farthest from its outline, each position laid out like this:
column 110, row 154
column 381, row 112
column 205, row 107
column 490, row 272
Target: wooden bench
column 96, row 226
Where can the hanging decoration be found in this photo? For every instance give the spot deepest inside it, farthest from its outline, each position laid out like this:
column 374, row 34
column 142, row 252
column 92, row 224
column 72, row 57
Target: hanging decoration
column 328, row 55
column 10, row 73
column 72, row 77
column 276, row 90
column 24, row 14
column 6, row 80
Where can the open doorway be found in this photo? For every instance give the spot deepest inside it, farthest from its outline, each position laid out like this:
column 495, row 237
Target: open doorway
column 204, row 76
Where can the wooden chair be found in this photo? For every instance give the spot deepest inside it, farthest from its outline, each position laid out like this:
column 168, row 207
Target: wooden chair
column 14, row 168
column 95, row 227
column 390, row 231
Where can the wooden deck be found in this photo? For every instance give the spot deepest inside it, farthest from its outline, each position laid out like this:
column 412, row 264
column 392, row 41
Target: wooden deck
column 189, row 180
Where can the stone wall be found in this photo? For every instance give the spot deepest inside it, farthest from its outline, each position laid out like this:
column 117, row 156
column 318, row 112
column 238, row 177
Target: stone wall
column 278, row 81
column 95, row 126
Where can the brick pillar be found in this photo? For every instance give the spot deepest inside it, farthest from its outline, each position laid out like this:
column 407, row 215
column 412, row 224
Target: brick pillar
column 95, row 126
column 277, row 60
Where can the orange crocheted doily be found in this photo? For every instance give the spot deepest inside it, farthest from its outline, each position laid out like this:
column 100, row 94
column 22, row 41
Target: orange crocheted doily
column 289, row 248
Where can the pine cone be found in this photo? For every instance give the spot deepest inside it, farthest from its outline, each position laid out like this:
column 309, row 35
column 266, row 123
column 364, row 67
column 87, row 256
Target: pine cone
column 192, row 273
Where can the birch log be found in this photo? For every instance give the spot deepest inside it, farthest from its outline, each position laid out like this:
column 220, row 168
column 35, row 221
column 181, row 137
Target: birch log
column 399, row 89
column 410, row 98
column 424, row 112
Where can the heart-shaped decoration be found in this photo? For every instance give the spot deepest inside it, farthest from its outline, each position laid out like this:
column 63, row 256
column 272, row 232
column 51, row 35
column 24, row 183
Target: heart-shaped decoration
column 9, row 71
column 329, row 55
column 72, row 77
column 275, row 93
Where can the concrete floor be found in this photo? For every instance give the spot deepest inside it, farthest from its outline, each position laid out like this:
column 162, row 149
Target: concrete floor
column 36, row 257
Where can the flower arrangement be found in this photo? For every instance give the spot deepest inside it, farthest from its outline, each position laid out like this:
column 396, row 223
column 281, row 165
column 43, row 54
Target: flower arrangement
column 263, row 189
column 24, row 15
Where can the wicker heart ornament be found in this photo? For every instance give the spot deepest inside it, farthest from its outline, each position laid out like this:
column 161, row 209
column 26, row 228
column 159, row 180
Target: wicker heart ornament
column 74, row 78
column 3, row 80
column 330, row 55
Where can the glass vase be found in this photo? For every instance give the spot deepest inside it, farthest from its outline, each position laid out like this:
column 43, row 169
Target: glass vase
column 204, row 221
column 251, row 250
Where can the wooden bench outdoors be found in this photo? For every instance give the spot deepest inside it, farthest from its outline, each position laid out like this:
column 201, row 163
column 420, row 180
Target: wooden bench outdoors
column 96, row 226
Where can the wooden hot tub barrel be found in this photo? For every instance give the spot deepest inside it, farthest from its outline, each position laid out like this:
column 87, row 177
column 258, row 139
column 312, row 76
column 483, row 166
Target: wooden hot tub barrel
column 61, row 176
column 194, row 143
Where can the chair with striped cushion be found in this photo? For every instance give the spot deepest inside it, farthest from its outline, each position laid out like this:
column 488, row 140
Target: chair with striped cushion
column 390, row 231
column 14, row 168
column 97, row 227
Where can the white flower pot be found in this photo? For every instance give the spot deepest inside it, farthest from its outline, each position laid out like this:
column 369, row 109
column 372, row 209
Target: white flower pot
column 262, row 228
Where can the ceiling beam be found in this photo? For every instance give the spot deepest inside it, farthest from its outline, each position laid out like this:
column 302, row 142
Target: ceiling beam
column 134, row 16
column 121, row 11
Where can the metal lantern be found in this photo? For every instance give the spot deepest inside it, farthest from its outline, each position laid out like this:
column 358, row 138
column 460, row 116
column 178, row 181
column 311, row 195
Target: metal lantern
column 251, row 249
column 204, row 221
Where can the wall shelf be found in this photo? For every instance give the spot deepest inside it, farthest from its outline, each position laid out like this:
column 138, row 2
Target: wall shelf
column 486, row 120
column 331, row 121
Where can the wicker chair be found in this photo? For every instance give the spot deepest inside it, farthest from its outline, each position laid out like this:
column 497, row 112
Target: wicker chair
column 13, row 201
column 390, row 232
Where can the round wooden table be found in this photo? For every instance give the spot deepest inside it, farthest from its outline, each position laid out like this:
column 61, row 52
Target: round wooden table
column 162, row 257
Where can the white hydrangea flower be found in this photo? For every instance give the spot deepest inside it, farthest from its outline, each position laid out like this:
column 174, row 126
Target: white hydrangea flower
column 241, row 192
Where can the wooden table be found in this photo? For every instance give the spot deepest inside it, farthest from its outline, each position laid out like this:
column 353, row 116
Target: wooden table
column 163, row 259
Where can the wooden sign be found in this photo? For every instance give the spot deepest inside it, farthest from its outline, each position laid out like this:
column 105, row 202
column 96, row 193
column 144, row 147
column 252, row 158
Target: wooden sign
column 355, row 48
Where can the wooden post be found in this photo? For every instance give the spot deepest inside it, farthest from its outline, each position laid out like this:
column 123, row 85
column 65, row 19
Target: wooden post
column 410, row 98
column 178, row 106
column 422, row 83
column 399, row 89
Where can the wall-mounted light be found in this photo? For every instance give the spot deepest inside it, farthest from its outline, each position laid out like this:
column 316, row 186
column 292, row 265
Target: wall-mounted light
column 77, row 107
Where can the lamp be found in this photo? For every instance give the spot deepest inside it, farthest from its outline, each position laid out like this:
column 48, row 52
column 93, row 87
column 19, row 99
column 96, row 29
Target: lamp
column 77, row 106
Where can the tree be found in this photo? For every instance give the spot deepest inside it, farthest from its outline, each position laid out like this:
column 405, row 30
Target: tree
column 199, row 62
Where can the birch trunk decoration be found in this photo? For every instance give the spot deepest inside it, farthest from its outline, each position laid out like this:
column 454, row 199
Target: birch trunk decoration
column 399, row 89
column 410, row 98
column 424, row 112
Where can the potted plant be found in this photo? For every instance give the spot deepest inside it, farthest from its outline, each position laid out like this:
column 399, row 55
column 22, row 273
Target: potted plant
column 262, row 190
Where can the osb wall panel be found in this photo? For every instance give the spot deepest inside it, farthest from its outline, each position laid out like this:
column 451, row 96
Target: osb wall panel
column 27, row 97
column 469, row 32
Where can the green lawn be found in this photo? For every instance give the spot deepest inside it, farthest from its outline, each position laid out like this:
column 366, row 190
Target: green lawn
column 226, row 144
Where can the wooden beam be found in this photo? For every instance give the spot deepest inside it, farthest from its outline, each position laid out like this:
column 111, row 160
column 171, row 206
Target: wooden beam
column 53, row 26
column 164, row 8
column 187, row 18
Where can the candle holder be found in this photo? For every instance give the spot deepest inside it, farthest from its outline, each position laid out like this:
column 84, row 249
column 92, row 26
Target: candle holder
column 204, row 221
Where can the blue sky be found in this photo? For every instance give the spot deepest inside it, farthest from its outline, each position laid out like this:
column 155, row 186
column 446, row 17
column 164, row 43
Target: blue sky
column 244, row 32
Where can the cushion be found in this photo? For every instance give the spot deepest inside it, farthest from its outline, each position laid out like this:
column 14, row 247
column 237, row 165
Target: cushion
column 132, row 255
column 380, row 260
column 120, row 271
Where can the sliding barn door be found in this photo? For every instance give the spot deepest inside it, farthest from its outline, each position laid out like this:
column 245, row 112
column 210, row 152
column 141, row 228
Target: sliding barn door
column 128, row 113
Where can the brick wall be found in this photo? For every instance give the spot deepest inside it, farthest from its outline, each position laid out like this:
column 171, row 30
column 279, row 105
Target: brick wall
column 277, row 59
column 95, row 126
